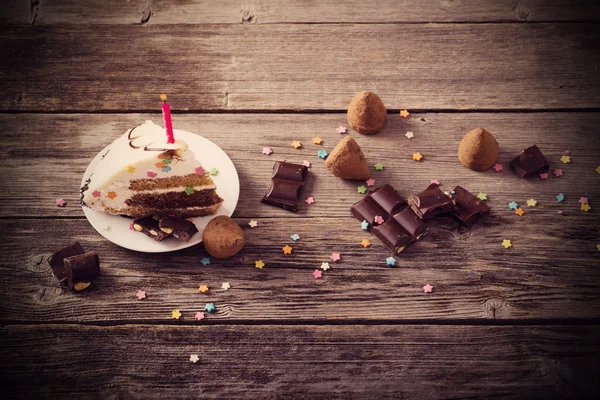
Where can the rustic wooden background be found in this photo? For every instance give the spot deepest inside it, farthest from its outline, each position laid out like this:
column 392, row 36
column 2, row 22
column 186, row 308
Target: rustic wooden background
column 516, row 323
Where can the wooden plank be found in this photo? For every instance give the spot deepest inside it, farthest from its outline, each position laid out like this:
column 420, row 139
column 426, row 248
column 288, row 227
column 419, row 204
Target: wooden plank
column 311, row 362
column 36, row 149
column 300, row 67
column 299, row 11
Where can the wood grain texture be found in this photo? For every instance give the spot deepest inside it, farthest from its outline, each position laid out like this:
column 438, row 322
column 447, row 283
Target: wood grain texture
column 300, row 67
column 296, row 11
column 309, row 362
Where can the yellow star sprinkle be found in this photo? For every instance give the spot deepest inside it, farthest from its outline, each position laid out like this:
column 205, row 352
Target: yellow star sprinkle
column 531, row 203
column 175, row 314
column 296, row 144
column 404, row 113
column 365, row 243
column 203, row 289
column 259, row 264
column 287, row 249
column 130, row 169
column 163, row 97
column 519, row 211
column 506, row 243
column 317, row 140
column 565, row 159
column 585, row 207
column 598, row 169
column 598, row 246
column 417, row 156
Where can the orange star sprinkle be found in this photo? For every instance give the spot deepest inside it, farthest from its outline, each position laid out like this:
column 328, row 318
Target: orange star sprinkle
column 317, row 140
column 159, row 165
column 404, row 113
column 111, row 195
column 203, row 289
column 287, row 249
column 365, row 243
column 519, row 211
column 417, row 156
column 296, row 144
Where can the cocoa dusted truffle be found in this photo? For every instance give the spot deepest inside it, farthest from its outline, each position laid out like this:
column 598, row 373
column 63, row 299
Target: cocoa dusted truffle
column 347, row 161
column 366, row 113
column 223, row 237
column 478, row 150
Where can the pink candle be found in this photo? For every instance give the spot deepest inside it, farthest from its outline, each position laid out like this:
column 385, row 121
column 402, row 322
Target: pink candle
column 166, row 109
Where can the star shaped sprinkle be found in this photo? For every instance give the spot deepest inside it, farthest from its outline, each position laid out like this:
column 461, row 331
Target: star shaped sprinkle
column 194, row 358
column 482, row 196
column 203, row 289
column 427, row 288
column 317, row 274
column 513, row 205
column 166, row 161
column 370, row 182
column 259, row 264
column 497, row 167
column 435, row 182
column 378, row 219
column 209, row 307
column 390, row 261
column 317, row 140
column 379, row 167
column 409, row 135
column 111, row 195
column 166, row 168
column 130, row 169
column 205, row 261
column 506, row 243
column 96, row 193
column 154, row 174
column 560, row 197
column 364, row 225
column 565, row 159
column 214, row 171
column 252, row 223
column 61, row 202
column 559, row 212
column 362, row 189
column 557, row 172
column 295, row 237
column 198, row 170
column 131, row 227
column 175, row 314
column 341, row 130
column 583, row 200
column 199, row 316
column 531, row 203
column 519, row 211
column 404, row 113
column 417, row 156
column 544, row 176
column 598, row 169
column 189, row 190
column 335, row 257
column 309, row 200
column 322, row 154
column 267, row 151
column 585, row 207
column 365, row 243
column 225, row 285
column 325, row 266
column 141, row 294
column 598, row 246
column 296, row 144
column 306, row 163
column 567, row 152
column 287, row 249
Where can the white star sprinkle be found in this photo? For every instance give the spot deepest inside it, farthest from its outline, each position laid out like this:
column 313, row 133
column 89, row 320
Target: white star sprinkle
column 252, row 223
column 409, row 135
column 325, row 266
column 194, row 358
column 225, row 286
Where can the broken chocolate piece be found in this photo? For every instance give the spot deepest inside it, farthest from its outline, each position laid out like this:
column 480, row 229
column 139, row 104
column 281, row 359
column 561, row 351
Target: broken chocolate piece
column 367, row 209
column 149, row 226
column 81, row 270
column 388, row 198
column 469, row 208
column 393, row 235
column 287, row 180
column 431, row 202
column 57, row 263
column 181, row 229
column 530, row 162
column 411, row 222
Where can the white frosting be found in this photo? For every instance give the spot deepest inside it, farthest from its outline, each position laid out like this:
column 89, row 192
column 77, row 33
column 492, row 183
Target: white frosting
column 135, row 156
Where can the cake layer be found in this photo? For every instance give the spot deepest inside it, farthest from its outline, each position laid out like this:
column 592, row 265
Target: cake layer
column 173, row 182
column 140, row 211
column 178, row 199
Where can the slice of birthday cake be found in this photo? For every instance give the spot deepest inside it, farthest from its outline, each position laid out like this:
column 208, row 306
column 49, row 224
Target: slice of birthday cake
column 141, row 175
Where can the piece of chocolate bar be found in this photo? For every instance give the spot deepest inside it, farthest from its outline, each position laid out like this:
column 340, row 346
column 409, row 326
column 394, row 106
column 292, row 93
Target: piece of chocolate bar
column 57, row 263
column 393, row 235
column 431, row 202
column 149, row 226
column 81, row 270
column 181, row 229
column 387, row 198
column 367, row 209
column 468, row 207
column 530, row 162
column 286, row 183
column 411, row 222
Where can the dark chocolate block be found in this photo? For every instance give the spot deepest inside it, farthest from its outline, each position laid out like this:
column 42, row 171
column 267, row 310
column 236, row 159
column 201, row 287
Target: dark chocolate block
column 367, row 209
column 387, row 198
column 468, row 207
column 393, row 235
column 149, row 226
column 57, row 263
column 431, row 202
column 411, row 222
column 286, row 183
column 81, row 270
column 530, row 162
column 181, row 229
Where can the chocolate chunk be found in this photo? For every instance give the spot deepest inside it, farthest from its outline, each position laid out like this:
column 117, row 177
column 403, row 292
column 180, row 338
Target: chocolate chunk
column 286, row 183
column 367, row 209
column 149, row 226
column 431, row 202
column 388, row 198
column 57, row 263
column 81, row 270
column 181, row 229
column 393, row 235
column 530, row 162
column 468, row 207
column 411, row 222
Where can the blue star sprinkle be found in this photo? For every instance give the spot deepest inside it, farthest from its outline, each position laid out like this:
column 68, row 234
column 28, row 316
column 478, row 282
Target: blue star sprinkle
column 322, row 154
column 364, row 225
column 560, row 197
column 166, row 168
column 390, row 261
column 209, row 307
column 513, row 205
column 205, row 260
column 295, row 237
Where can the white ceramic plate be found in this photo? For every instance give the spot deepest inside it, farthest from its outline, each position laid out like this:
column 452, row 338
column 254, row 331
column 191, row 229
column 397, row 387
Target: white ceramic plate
column 116, row 228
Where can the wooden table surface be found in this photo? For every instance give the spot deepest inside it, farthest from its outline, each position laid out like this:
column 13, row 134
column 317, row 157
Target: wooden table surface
column 522, row 322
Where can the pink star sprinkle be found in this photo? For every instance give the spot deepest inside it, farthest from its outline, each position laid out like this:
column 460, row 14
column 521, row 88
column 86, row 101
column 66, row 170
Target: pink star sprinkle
column 306, row 164
column 317, row 274
column 567, row 152
column 131, row 226
column 267, row 150
column 427, row 288
column 141, row 294
column 370, row 182
column 583, row 200
column 341, row 130
column 309, row 200
column 96, row 193
column 61, row 202
column 557, row 172
column 199, row 316
column 335, row 257
column 559, row 212
column 378, row 219
column 435, row 181
column 497, row 167
column 544, row 175
column 199, row 171
column 152, row 174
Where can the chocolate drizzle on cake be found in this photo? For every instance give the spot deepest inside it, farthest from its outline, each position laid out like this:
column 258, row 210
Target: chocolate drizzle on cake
column 145, row 148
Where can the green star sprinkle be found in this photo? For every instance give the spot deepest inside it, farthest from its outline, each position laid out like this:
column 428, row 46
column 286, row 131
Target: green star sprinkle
column 166, row 161
column 362, row 189
column 482, row 196
column 214, row 171
column 189, row 190
column 379, row 167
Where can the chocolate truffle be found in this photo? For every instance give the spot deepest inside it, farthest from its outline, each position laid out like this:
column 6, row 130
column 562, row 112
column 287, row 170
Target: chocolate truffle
column 366, row 113
column 478, row 150
column 347, row 161
column 223, row 237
